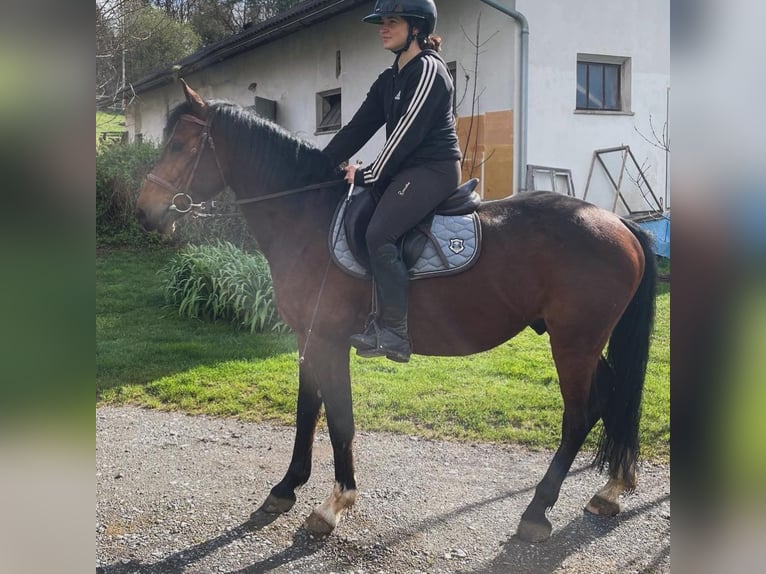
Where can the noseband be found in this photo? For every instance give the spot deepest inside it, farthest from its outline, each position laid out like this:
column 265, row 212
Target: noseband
column 183, row 191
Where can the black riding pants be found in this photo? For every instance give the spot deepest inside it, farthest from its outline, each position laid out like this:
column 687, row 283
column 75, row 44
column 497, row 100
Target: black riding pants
column 410, row 196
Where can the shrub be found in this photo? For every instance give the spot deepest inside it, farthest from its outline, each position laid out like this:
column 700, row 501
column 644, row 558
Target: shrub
column 227, row 224
column 221, row 282
column 120, row 171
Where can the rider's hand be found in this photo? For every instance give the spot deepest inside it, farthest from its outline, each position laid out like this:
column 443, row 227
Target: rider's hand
column 350, row 171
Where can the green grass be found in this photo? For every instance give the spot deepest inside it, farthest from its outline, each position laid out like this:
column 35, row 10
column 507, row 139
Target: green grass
column 108, row 122
column 147, row 355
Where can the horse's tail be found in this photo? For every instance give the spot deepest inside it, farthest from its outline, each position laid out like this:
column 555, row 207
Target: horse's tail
column 627, row 356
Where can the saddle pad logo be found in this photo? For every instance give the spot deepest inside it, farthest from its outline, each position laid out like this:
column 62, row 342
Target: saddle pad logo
column 456, row 245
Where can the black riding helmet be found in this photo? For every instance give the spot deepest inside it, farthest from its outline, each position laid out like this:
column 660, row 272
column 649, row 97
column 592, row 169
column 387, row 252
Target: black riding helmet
column 423, row 10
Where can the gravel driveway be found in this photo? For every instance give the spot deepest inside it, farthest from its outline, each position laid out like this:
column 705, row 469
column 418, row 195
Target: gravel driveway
column 175, row 493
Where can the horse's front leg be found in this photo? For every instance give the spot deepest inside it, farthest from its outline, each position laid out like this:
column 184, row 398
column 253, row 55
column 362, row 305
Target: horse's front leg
column 282, row 496
column 330, row 363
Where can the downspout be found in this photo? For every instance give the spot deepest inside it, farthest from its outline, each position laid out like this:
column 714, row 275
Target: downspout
column 521, row 177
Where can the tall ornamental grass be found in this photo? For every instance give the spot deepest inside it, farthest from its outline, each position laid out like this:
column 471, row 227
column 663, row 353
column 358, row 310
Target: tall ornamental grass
column 221, row 282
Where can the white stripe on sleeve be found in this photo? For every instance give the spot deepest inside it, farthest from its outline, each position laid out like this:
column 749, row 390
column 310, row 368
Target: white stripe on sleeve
column 416, row 104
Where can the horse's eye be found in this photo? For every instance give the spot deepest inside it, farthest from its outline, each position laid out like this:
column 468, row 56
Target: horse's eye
column 176, row 146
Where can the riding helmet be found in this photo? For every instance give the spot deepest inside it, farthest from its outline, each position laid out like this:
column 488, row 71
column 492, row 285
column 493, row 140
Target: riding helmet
column 422, row 9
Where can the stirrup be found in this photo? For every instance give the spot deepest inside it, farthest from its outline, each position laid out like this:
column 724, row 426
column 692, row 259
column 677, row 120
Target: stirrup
column 368, row 339
column 389, row 344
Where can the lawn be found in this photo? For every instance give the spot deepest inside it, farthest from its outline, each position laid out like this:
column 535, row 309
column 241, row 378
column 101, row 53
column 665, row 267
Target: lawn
column 147, row 355
column 109, row 122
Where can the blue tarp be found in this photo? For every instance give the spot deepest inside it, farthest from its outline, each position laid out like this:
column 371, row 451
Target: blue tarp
column 660, row 232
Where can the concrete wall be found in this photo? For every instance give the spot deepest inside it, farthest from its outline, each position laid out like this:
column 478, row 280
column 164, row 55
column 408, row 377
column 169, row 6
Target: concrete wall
column 561, row 137
column 292, row 70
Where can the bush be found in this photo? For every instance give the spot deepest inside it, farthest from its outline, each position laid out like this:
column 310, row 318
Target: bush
column 120, row 172
column 227, row 224
column 221, row 282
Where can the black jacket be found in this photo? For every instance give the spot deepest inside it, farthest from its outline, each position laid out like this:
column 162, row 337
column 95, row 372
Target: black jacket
column 415, row 104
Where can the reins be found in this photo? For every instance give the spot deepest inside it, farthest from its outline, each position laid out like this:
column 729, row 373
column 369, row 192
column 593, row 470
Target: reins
column 183, row 191
column 322, row 185
column 310, row 330
column 205, row 139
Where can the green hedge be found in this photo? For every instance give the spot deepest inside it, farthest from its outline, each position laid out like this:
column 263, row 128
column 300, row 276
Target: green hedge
column 227, row 224
column 222, row 282
column 120, row 172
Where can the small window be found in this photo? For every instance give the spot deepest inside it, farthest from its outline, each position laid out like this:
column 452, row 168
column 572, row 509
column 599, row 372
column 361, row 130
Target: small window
column 603, row 84
column 452, row 69
column 328, row 111
column 265, row 108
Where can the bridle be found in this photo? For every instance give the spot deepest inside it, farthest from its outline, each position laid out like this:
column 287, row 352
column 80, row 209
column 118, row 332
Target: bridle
column 205, row 138
column 183, row 191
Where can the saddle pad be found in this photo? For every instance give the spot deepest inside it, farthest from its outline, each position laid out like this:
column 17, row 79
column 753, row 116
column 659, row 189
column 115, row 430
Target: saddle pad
column 458, row 237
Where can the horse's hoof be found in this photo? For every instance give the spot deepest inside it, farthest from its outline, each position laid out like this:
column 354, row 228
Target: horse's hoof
column 316, row 523
column 529, row 531
column 275, row 505
column 602, row 506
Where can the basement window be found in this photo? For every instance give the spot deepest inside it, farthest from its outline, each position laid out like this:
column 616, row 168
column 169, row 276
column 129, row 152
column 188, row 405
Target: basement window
column 328, row 111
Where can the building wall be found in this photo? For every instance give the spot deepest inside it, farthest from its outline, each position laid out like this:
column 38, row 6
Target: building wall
column 560, row 137
column 293, row 69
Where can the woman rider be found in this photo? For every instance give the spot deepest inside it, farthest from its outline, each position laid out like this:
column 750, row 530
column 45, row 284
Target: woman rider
column 418, row 167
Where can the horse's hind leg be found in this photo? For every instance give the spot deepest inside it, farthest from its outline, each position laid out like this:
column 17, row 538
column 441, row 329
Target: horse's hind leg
column 580, row 414
column 621, row 478
column 282, row 496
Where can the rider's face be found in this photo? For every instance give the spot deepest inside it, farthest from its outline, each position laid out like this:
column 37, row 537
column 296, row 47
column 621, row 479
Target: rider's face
column 393, row 32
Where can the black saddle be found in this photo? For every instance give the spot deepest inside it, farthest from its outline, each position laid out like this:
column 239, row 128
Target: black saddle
column 462, row 201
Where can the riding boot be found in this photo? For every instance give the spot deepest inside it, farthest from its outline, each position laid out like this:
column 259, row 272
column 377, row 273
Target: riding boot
column 392, row 280
column 368, row 339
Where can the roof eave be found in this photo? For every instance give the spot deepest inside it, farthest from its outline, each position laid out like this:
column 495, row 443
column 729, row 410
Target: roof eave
column 293, row 20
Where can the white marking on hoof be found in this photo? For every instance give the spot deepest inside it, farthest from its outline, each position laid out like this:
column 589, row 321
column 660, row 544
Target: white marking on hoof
column 604, row 502
column 325, row 517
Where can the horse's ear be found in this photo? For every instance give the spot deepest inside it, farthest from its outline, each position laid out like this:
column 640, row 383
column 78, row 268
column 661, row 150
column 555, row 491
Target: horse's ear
column 198, row 105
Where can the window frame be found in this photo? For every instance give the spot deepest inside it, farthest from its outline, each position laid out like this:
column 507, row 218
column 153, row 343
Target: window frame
column 321, row 100
column 452, row 69
column 623, row 79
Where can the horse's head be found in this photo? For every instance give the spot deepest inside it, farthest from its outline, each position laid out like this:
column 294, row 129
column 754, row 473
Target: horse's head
column 187, row 173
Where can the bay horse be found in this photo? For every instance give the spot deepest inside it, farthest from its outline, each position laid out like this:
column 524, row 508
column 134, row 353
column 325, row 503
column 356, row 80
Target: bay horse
column 550, row 262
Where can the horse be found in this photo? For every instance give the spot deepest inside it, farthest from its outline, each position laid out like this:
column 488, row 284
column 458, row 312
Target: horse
column 548, row 261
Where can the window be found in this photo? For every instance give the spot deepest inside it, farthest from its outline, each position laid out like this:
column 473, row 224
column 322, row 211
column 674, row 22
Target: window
column 328, row 111
column 452, row 69
column 267, row 109
column 603, row 84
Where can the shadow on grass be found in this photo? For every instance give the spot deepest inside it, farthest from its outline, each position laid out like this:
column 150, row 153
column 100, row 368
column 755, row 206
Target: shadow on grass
column 140, row 339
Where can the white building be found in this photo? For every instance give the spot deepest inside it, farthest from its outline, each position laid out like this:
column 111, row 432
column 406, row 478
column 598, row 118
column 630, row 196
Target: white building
column 318, row 59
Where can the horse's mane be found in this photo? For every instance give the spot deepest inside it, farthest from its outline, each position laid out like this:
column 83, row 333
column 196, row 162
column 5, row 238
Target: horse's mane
column 279, row 158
